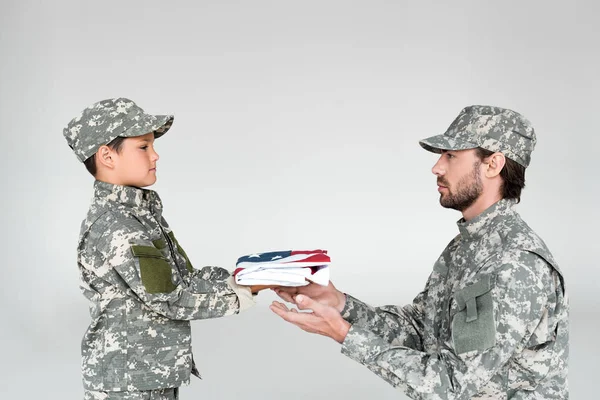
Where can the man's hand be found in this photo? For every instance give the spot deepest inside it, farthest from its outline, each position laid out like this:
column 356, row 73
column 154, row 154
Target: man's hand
column 327, row 295
column 324, row 320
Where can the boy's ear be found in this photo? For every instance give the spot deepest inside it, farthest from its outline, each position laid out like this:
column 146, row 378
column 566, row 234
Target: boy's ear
column 105, row 157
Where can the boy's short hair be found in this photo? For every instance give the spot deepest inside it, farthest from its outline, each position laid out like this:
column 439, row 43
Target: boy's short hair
column 104, row 121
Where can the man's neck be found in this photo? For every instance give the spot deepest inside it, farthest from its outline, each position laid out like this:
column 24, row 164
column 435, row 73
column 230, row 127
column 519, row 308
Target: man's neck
column 484, row 202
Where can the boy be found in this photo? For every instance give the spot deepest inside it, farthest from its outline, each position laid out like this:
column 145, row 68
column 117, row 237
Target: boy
column 140, row 283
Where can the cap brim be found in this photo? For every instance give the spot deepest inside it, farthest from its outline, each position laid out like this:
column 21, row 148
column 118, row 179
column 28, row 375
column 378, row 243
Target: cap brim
column 438, row 143
column 159, row 124
column 165, row 126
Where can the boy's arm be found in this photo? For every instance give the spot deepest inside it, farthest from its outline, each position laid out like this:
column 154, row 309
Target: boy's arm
column 200, row 279
column 127, row 250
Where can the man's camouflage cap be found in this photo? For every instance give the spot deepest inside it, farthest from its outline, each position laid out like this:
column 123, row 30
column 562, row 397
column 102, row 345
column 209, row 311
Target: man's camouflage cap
column 491, row 128
column 106, row 120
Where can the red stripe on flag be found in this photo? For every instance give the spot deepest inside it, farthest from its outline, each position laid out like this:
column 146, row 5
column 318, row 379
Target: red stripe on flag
column 294, row 252
column 314, row 258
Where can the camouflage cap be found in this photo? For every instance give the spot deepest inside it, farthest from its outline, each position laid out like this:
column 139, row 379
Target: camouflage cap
column 105, row 120
column 491, row 128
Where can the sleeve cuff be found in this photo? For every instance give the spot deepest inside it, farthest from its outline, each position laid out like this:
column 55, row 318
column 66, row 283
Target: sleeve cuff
column 354, row 309
column 363, row 345
column 243, row 293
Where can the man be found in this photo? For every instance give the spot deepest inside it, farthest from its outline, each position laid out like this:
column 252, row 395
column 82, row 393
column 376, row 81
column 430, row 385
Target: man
column 492, row 321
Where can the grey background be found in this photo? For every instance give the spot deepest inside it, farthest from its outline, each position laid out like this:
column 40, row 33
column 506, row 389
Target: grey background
column 296, row 127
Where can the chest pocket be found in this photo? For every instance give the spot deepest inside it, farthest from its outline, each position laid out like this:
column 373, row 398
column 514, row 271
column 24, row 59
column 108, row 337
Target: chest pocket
column 473, row 326
column 155, row 270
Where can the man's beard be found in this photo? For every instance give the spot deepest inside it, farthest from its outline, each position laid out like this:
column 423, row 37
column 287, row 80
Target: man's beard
column 468, row 189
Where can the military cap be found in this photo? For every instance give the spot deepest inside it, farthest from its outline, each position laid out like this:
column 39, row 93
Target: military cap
column 492, row 128
column 106, row 120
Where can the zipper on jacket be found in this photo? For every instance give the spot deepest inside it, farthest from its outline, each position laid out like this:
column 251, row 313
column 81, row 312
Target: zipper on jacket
column 171, row 248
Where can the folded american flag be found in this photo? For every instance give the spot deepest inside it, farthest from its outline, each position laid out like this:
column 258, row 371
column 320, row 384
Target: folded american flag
column 284, row 268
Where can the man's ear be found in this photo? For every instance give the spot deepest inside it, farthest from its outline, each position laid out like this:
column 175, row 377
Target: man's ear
column 494, row 165
column 105, row 157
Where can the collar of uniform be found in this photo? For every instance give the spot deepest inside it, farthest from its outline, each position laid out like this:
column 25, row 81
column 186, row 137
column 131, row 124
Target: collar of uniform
column 481, row 224
column 127, row 195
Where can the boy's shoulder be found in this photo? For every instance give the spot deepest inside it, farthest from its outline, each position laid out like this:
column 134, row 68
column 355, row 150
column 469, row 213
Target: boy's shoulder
column 99, row 229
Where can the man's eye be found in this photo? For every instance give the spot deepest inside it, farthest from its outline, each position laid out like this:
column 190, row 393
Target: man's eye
column 144, row 147
column 449, row 155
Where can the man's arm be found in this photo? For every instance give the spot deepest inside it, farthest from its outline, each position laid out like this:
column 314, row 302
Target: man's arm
column 402, row 325
column 462, row 365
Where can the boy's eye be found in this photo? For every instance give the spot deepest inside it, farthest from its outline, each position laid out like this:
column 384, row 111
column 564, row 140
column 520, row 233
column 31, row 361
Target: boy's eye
column 449, row 155
column 144, row 147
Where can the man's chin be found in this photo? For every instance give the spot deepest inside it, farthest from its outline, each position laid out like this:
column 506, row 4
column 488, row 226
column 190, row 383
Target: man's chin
column 446, row 204
column 443, row 200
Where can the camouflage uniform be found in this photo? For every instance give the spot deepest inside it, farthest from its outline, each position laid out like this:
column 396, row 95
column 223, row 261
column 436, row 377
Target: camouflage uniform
column 492, row 321
column 160, row 394
column 140, row 283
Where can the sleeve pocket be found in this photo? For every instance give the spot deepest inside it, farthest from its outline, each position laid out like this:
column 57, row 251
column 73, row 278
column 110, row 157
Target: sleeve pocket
column 473, row 326
column 155, row 270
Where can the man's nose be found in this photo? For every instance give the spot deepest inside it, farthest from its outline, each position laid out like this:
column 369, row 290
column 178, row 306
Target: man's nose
column 438, row 168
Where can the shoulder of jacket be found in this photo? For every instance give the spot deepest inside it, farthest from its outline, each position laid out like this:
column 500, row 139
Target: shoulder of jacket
column 107, row 224
column 518, row 235
column 516, row 263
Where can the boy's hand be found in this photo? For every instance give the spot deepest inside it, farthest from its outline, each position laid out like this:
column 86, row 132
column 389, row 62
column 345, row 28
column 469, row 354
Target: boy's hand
column 257, row 288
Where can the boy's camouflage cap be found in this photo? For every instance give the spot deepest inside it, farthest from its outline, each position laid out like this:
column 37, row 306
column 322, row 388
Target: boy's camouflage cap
column 105, row 120
column 491, row 128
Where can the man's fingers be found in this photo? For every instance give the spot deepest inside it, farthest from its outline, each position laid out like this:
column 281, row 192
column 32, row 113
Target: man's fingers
column 306, row 303
column 280, row 310
column 279, row 305
column 285, row 296
column 287, row 289
column 302, row 320
column 291, row 315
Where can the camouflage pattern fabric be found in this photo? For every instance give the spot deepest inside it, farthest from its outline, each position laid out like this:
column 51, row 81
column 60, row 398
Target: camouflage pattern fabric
column 143, row 291
column 105, row 120
column 492, row 128
column 161, row 394
column 491, row 323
